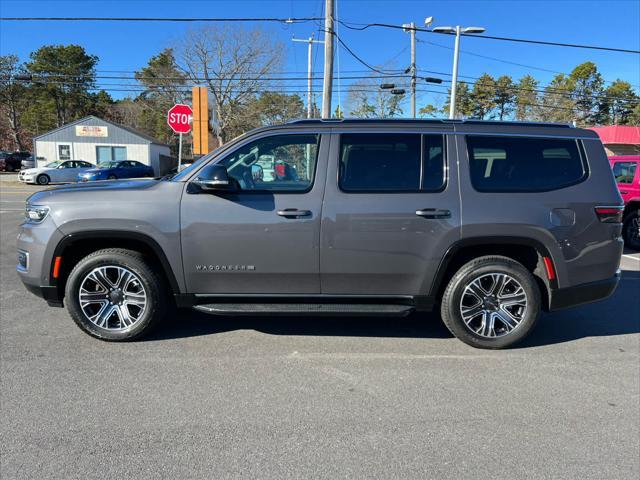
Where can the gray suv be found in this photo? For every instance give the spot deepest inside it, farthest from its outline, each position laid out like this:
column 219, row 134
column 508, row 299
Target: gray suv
column 490, row 222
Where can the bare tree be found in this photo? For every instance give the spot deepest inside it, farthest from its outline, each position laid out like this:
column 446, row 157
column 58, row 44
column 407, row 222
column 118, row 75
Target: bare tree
column 12, row 98
column 232, row 61
column 367, row 100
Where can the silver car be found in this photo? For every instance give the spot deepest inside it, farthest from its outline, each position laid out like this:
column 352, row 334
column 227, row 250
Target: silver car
column 55, row 172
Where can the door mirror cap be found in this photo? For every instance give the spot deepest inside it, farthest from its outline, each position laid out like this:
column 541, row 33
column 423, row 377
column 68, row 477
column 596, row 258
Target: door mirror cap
column 215, row 178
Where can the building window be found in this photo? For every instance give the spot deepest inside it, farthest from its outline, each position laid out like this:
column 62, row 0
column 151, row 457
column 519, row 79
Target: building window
column 64, row 152
column 110, row 154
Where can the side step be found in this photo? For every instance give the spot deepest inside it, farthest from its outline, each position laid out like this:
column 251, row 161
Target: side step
column 335, row 309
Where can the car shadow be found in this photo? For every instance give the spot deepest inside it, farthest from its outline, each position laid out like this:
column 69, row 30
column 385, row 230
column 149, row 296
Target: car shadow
column 618, row 315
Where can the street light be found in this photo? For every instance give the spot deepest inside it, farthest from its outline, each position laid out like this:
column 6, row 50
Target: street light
column 456, row 53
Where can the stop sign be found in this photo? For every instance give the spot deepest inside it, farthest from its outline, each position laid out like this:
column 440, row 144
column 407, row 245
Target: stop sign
column 179, row 118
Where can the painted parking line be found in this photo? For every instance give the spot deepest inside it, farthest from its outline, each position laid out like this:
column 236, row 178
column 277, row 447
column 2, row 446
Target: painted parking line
column 631, row 257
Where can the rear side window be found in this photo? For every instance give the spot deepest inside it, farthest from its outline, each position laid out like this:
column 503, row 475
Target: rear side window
column 514, row 164
column 391, row 162
column 624, row 171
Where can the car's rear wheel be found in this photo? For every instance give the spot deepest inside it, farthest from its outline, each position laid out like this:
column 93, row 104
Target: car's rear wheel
column 631, row 230
column 112, row 177
column 114, row 294
column 491, row 302
column 43, row 179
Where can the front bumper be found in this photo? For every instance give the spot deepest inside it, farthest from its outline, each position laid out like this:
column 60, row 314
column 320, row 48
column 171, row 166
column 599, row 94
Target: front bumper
column 37, row 243
column 26, row 178
column 562, row 298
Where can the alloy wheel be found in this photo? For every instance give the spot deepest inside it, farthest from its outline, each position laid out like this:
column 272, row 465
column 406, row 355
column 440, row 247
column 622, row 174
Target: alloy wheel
column 493, row 305
column 112, row 297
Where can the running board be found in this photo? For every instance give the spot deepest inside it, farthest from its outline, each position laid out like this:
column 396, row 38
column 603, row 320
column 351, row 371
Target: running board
column 335, row 309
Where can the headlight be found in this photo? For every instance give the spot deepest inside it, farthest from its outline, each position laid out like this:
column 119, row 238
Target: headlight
column 36, row 213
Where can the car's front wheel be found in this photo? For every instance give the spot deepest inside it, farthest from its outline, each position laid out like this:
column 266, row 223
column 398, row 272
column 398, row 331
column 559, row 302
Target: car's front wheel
column 43, row 179
column 631, row 230
column 115, row 294
column 491, row 302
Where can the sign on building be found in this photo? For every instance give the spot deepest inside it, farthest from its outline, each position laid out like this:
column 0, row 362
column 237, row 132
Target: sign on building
column 90, row 131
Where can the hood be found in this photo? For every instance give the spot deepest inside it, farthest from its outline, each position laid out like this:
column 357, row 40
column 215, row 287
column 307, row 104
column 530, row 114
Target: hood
column 115, row 189
column 95, row 170
column 31, row 171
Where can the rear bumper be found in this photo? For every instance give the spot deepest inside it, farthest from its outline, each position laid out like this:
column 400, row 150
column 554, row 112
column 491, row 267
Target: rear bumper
column 584, row 293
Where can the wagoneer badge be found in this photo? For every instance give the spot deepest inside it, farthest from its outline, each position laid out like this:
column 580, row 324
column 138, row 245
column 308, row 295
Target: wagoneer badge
column 225, row 268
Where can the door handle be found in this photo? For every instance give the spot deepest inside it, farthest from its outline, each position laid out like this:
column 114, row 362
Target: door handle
column 433, row 213
column 623, row 192
column 293, row 213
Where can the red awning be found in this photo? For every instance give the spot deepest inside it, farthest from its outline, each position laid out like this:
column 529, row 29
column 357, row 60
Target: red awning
column 618, row 134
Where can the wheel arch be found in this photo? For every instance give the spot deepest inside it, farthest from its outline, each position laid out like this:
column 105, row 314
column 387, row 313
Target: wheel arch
column 527, row 251
column 73, row 247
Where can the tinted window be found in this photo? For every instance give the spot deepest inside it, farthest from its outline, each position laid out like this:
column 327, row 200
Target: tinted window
column 624, row 171
column 275, row 163
column 512, row 164
column 433, row 160
column 391, row 162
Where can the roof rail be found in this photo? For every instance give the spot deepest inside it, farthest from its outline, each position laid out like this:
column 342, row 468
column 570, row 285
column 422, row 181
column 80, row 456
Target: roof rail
column 425, row 121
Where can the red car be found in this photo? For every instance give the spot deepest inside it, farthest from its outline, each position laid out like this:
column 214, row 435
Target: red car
column 626, row 169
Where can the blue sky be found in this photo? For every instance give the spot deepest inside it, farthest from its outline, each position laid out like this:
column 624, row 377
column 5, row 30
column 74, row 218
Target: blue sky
column 128, row 46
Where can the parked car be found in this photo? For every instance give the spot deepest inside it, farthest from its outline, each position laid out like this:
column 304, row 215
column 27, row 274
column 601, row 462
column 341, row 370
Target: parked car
column 13, row 161
column 626, row 170
column 116, row 170
column 29, row 162
column 491, row 222
column 2, row 164
column 56, row 172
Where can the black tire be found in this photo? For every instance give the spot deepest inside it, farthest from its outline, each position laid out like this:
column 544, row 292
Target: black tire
column 9, row 168
column 479, row 268
column 43, row 179
column 154, row 285
column 631, row 230
column 112, row 177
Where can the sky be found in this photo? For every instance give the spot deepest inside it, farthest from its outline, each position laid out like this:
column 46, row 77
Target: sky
column 126, row 47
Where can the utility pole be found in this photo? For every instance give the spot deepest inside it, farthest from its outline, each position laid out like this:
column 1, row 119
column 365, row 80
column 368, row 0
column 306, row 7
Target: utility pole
column 310, row 41
column 412, row 31
column 327, row 87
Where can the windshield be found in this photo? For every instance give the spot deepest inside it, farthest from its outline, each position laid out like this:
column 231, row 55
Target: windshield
column 52, row 164
column 108, row 165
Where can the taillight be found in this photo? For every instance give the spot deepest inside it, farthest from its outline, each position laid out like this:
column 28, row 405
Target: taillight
column 609, row 214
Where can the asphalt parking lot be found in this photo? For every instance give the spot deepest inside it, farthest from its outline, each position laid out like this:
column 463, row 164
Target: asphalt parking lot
column 210, row 397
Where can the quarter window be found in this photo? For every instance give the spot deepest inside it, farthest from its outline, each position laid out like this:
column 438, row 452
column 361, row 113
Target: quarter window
column 624, row 171
column 285, row 163
column 511, row 164
column 391, row 162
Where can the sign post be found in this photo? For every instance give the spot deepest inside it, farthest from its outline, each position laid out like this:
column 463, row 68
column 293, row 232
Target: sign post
column 179, row 119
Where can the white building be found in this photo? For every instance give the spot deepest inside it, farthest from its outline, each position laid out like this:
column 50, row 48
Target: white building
column 97, row 141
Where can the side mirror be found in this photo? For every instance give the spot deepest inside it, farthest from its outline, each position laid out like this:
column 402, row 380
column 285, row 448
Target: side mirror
column 215, row 178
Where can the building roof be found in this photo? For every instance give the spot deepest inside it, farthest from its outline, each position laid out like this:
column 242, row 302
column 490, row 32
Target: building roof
column 133, row 131
column 620, row 134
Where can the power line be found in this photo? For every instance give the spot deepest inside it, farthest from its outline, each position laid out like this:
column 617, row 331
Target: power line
column 509, row 62
column 364, row 26
column 157, row 19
